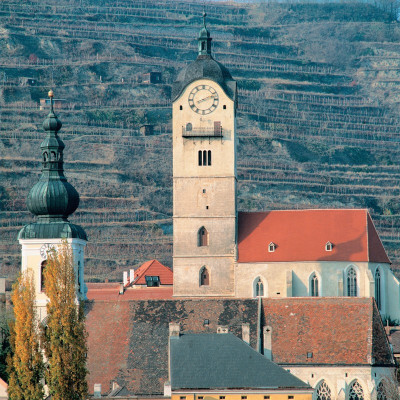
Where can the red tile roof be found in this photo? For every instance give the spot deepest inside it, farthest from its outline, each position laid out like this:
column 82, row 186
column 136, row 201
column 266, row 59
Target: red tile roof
column 340, row 331
column 153, row 268
column 132, row 336
column 112, row 293
column 301, row 235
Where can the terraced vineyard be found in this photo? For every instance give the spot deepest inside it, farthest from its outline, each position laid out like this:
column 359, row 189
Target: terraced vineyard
column 318, row 113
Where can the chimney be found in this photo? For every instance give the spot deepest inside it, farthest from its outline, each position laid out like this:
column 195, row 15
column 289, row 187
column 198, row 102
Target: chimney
column 125, row 278
column 222, row 329
column 131, row 275
column 246, row 333
column 174, row 329
column 267, row 342
column 97, row 391
column 121, row 288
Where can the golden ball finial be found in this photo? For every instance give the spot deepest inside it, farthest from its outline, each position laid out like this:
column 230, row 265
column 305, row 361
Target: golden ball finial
column 51, row 94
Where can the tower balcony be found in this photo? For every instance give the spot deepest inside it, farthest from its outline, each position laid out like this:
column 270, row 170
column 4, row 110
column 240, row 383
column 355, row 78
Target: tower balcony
column 215, row 131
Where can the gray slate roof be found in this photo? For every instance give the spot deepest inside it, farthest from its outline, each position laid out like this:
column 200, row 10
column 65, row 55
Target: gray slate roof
column 205, row 67
column 223, row 361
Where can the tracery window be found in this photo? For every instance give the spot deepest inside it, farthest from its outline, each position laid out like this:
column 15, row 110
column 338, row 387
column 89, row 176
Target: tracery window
column 314, row 285
column 204, row 277
column 258, row 288
column 352, row 282
column 356, row 391
column 380, row 392
column 323, row 392
column 378, row 289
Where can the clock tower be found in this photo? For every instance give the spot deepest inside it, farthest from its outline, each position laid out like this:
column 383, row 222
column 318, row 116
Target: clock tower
column 204, row 176
column 52, row 200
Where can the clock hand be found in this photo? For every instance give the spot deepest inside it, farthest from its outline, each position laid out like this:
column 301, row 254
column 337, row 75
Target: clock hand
column 205, row 98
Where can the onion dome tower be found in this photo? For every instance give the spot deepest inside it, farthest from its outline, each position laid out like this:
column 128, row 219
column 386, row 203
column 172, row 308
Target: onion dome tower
column 52, row 200
column 204, row 175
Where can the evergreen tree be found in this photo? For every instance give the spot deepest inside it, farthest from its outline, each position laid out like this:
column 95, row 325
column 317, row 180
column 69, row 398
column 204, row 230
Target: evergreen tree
column 25, row 365
column 64, row 337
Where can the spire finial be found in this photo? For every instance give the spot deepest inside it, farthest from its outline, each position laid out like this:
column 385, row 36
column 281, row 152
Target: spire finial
column 51, row 95
column 204, row 18
column 204, row 38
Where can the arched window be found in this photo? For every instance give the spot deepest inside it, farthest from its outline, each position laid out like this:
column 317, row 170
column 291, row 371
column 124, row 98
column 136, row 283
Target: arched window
column 79, row 276
column 202, row 237
column 53, row 156
column 189, row 127
column 204, row 277
column 42, row 281
column 258, row 288
column 380, row 392
column 351, row 282
column 204, row 157
column 200, row 158
column 323, row 392
column 45, row 156
column 314, row 289
column 209, row 157
column 356, row 391
column 378, row 289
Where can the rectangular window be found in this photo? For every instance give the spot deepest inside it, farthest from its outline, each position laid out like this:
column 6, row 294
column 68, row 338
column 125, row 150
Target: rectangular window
column 244, row 397
column 200, row 397
column 221, row 397
column 266, row 397
column 290, row 397
column 183, row 397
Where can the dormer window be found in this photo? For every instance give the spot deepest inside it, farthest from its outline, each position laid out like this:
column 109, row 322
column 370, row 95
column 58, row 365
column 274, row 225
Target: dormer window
column 271, row 247
column 328, row 246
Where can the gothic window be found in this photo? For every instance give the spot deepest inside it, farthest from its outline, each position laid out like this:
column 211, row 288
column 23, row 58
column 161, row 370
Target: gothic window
column 378, row 289
column 42, row 281
column 314, row 289
column 323, row 392
column 204, row 277
column 328, row 246
column 202, row 237
column 351, row 282
column 380, row 392
column 258, row 287
column 356, row 392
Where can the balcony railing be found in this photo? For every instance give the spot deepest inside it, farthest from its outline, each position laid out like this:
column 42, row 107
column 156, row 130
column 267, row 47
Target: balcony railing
column 202, row 132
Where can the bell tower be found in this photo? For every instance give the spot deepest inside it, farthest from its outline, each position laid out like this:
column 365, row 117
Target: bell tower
column 204, row 176
column 52, row 200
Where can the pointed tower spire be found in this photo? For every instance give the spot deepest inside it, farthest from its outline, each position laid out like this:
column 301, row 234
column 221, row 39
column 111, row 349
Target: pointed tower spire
column 204, row 39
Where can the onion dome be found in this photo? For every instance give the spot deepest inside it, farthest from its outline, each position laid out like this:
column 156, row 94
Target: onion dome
column 205, row 67
column 53, row 198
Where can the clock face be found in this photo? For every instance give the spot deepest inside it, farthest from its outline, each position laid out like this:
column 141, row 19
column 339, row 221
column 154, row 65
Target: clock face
column 203, row 99
column 44, row 249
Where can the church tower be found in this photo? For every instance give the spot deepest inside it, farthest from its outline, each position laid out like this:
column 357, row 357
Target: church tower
column 52, row 200
column 204, row 176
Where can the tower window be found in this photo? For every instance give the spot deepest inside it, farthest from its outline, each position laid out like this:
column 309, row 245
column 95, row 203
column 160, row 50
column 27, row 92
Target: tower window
column 42, row 280
column 378, row 289
column 204, row 158
column 224, row 107
column 202, row 237
column 180, row 107
column 203, row 45
column 204, row 277
column 189, row 127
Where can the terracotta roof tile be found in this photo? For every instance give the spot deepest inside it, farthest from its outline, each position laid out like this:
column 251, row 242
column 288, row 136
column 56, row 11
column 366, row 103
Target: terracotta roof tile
column 335, row 330
column 153, row 268
column 152, row 293
column 133, row 335
column 301, row 235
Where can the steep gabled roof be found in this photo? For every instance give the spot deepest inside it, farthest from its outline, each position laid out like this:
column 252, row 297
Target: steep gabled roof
column 301, row 235
column 223, row 361
column 153, row 268
column 336, row 330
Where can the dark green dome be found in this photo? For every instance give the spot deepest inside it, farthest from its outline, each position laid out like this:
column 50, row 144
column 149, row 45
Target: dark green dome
column 52, row 199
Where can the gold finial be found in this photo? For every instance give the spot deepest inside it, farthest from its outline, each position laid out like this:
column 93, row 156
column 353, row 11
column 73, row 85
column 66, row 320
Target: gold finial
column 51, row 94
